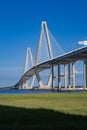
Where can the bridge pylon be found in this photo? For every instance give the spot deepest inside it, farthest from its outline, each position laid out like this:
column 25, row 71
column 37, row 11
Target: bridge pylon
column 43, row 26
column 28, row 59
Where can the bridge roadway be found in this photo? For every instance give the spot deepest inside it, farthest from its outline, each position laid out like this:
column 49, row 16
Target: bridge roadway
column 67, row 58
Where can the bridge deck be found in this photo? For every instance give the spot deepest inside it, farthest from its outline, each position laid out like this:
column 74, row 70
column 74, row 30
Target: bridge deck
column 78, row 54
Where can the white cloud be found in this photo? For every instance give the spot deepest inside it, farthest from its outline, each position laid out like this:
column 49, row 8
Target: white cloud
column 82, row 43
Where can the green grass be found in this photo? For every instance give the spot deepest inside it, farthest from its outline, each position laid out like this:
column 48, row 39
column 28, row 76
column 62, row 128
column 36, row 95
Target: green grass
column 43, row 111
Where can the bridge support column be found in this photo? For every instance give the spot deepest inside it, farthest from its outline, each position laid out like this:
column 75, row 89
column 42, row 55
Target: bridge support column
column 65, row 76
column 85, row 73
column 59, row 82
column 52, row 76
column 69, row 83
column 24, row 85
column 73, row 75
column 20, row 86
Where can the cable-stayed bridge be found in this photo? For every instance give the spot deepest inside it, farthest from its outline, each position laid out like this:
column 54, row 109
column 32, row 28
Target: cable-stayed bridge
column 50, row 62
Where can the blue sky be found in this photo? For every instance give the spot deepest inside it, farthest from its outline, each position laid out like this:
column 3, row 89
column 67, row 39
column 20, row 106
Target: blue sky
column 20, row 22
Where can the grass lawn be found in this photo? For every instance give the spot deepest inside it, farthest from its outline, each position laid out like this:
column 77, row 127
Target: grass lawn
column 44, row 111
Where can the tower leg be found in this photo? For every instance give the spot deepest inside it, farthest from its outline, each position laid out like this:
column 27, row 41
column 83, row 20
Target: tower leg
column 38, row 78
